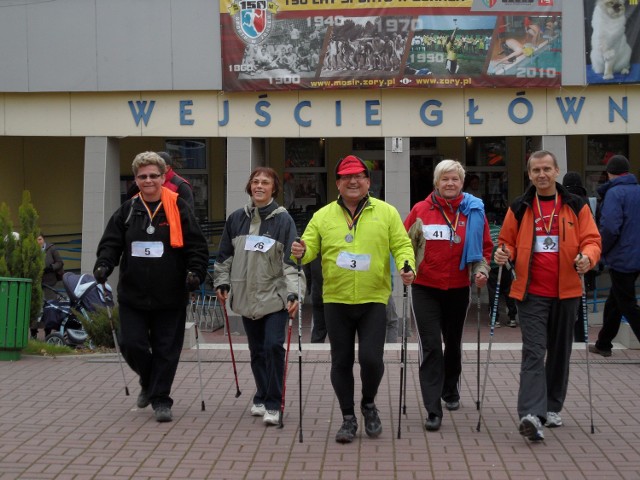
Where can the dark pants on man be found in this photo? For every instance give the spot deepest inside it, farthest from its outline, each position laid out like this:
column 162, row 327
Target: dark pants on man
column 369, row 322
column 440, row 316
column 547, row 332
column 265, row 337
column 151, row 343
column 621, row 302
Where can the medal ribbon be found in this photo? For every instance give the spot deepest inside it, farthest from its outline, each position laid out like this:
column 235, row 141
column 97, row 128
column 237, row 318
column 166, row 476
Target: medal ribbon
column 151, row 215
column 453, row 227
column 555, row 203
column 351, row 220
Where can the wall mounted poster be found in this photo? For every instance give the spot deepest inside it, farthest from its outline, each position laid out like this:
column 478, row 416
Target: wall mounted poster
column 337, row 44
column 612, row 31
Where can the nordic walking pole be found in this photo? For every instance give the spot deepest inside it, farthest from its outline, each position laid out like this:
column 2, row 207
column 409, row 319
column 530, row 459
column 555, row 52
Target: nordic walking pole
column 300, row 342
column 478, row 356
column 585, row 320
column 233, row 358
column 199, row 369
column 115, row 341
column 494, row 312
column 402, row 408
column 284, row 376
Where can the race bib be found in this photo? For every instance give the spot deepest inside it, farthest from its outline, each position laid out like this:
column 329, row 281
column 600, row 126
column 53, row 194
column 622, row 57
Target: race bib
column 258, row 243
column 546, row 244
column 436, row 232
column 147, row 249
column 352, row 261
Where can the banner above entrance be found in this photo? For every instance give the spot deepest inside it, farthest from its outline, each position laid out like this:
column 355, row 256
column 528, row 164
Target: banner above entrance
column 337, row 44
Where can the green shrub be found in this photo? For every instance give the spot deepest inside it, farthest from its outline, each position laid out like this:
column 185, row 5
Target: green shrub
column 99, row 327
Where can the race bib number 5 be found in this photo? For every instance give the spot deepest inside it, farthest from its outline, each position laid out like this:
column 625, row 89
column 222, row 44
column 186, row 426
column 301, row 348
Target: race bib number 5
column 147, row 249
column 352, row 261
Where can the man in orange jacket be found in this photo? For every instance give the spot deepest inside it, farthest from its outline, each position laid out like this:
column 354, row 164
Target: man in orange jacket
column 552, row 238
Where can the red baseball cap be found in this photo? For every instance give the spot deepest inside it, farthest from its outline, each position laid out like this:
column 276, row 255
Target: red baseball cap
column 351, row 165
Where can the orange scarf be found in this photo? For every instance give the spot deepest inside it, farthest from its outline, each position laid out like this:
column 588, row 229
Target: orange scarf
column 170, row 202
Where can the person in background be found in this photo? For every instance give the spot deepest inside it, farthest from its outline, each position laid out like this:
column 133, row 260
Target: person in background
column 355, row 235
column 254, row 273
column 620, row 230
column 552, row 238
column 172, row 181
column 452, row 243
column 505, row 285
column 53, row 267
column 163, row 256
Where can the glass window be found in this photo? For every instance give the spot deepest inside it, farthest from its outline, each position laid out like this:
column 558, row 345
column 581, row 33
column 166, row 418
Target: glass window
column 189, row 156
column 600, row 148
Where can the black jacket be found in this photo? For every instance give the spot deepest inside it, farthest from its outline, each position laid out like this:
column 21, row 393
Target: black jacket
column 152, row 283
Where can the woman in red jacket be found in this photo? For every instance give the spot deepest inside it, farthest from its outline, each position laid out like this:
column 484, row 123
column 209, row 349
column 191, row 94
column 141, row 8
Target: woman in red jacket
column 451, row 234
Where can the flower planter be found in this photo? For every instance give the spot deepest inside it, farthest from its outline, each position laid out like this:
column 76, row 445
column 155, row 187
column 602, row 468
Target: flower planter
column 15, row 300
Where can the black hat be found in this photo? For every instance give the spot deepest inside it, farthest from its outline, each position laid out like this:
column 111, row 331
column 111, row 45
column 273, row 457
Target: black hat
column 166, row 157
column 573, row 182
column 617, row 165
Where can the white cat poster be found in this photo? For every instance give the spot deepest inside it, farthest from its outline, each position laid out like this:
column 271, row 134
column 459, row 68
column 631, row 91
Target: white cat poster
column 612, row 39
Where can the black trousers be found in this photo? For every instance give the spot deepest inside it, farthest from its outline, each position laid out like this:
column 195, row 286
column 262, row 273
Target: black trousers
column 440, row 316
column 369, row 321
column 621, row 302
column 151, row 343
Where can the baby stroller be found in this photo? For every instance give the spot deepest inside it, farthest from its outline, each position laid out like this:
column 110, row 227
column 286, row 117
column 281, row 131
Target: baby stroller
column 84, row 294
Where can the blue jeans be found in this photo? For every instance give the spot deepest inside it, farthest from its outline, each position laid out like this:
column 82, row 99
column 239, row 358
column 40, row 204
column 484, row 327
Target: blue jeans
column 266, row 337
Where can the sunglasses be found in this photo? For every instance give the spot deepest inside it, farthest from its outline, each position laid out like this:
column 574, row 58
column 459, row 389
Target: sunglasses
column 152, row 176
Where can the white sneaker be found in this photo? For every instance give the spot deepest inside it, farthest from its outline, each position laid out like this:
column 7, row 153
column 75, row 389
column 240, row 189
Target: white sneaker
column 553, row 420
column 258, row 410
column 271, row 417
column 531, row 428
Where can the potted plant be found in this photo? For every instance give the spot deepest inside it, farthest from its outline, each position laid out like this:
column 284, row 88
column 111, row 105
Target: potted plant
column 21, row 266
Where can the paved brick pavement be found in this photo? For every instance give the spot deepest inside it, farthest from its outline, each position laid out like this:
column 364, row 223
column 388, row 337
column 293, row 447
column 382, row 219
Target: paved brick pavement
column 68, row 418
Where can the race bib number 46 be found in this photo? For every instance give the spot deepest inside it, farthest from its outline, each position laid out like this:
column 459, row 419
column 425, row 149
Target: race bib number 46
column 258, row 243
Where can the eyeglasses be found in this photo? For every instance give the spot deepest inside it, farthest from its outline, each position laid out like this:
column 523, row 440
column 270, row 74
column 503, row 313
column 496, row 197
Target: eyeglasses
column 152, row 176
column 358, row 177
column 261, row 182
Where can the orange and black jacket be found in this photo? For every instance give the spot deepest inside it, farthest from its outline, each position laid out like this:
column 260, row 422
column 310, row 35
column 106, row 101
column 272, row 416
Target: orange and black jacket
column 578, row 234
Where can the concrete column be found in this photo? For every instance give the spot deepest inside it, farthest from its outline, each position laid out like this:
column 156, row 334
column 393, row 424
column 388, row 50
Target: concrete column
column 397, row 181
column 557, row 144
column 101, row 196
column 243, row 155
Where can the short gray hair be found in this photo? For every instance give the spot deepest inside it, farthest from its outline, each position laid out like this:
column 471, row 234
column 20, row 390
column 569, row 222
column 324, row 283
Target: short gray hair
column 446, row 166
column 148, row 158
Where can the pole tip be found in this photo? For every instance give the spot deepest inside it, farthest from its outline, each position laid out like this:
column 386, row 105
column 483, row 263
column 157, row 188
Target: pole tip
column 126, row 391
column 238, row 393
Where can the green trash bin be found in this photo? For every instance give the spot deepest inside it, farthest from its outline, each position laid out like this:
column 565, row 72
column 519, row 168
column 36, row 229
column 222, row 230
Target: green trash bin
column 15, row 310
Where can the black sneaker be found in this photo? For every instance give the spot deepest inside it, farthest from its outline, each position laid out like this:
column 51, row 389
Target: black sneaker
column 599, row 351
column 372, row 423
column 348, row 430
column 143, row 399
column 163, row 413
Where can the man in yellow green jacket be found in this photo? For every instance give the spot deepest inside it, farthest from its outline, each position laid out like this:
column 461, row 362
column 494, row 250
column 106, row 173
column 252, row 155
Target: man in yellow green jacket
column 355, row 235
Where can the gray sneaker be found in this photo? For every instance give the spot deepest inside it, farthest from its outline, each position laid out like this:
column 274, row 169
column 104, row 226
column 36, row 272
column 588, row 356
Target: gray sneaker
column 163, row 414
column 531, row 428
column 143, row 399
column 553, row 420
column 372, row 423
column 348, row 430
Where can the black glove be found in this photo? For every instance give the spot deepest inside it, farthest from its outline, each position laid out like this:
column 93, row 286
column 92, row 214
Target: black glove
column 192, row 282
column 292, row 297
column 100, row 274
column 48, row 269
column 224, row 288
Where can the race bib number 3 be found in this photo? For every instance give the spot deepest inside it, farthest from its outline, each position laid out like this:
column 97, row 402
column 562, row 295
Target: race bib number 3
column 147, row 249
column 258, row 243
column 436, row 232
column 352, row 261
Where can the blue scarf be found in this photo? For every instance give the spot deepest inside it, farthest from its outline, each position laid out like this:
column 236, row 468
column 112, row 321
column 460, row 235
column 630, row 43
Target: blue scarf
column 473, row 208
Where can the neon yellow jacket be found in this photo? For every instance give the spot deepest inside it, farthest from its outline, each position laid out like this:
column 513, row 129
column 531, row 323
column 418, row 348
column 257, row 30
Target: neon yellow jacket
column 378, row 232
